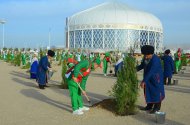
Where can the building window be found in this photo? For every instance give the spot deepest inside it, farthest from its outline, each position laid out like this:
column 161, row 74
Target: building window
column 143, row 37
column 87, row 38
column 98, row 39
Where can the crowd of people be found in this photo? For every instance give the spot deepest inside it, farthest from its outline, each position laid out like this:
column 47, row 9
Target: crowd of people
column 80, row 64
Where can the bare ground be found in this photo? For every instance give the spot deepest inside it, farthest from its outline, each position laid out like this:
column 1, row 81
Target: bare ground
column 23, row 103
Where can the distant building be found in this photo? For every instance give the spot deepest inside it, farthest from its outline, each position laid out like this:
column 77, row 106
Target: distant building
column 113, row 26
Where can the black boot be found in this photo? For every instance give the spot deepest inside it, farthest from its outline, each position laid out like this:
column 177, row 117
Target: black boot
column 165, row 80
column 148, row 107
column 169, row 81
column 156, row 108
column 41, row 86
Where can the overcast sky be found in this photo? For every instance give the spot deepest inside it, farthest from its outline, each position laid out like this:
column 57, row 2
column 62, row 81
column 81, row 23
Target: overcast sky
column 28, row 22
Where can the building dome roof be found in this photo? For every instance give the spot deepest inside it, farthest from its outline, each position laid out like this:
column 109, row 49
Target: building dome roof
column 117, row 14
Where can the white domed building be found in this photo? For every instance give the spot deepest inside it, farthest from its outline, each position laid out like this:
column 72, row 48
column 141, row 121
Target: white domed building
column 113, row 26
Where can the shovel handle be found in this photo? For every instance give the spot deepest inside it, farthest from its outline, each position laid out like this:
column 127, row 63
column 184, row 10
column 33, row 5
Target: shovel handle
column 83, row 91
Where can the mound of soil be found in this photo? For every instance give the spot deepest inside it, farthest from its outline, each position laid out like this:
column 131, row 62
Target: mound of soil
column 107, row 104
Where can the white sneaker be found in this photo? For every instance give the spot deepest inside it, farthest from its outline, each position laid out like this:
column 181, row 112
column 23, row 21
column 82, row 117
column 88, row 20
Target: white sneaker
column 84, row 108
column 78, row 112
column 105, row 75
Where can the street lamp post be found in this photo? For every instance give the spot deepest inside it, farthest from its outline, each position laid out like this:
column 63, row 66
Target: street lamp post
column 3, row 22
column 49, row 38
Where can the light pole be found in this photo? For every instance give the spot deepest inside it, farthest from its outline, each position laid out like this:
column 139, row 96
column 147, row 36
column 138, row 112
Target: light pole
column 49, row 37
column 3, row 22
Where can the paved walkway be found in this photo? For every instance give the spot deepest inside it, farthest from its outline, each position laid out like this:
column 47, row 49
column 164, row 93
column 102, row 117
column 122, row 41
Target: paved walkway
column 22, row 103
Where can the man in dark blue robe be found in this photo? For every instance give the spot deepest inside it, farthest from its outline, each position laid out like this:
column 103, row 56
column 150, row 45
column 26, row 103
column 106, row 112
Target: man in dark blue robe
column 168, row 67
column 43, row 68
column 152, row 80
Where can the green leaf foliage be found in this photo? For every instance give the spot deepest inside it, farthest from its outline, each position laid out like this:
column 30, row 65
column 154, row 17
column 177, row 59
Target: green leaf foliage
column 64, row 70
column 17, row 59
column 27, row 66
column 184, row 60
column 125, row 91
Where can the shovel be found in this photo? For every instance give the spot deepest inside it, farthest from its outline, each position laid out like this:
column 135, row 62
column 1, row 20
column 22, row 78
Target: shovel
column 84, row 94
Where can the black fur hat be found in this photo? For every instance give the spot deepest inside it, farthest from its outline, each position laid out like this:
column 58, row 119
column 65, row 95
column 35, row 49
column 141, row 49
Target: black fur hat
column 51, row 53
column 167, row 51
column 147, row 49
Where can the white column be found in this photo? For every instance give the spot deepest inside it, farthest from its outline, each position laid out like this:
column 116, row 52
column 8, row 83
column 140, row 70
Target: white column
column 3, row 22
column 128, row 41
column 74, row 38
column 92, row 45
column 68, row 33
column 148, row 38
column 82, row 39
column 155, row 42
column 115, row 39
column 161, row 46
column 103, row 38
column 139, row 44
column 3, row 37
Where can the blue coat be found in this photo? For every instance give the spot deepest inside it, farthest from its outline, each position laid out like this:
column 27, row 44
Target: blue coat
column 42, row 71
column 168, row 66
column 33, row 70
column 118, row 65
column 153, row 78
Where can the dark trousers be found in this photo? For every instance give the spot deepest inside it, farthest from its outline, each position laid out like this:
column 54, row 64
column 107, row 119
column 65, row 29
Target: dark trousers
column 165, row 81
column 154, row 106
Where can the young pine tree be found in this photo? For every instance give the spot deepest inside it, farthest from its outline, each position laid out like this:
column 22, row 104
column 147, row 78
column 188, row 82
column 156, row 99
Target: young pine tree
column 64, row 79
column 8, row 57
column 184, row 60
column 125, row 91
column 17, row 59
column 0, row 55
